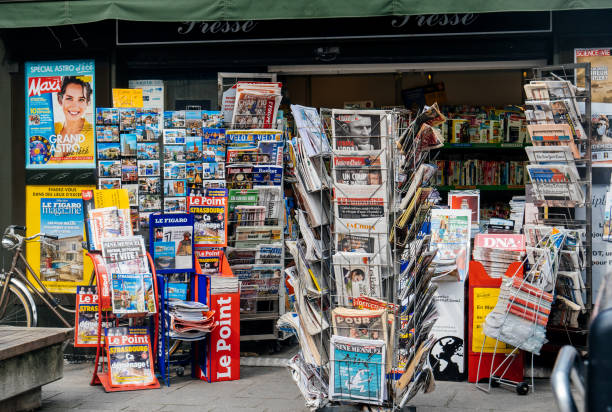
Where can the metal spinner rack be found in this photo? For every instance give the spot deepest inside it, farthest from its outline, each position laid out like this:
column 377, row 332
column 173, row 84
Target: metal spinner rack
column 354, row 228
column 334, row 269
column 575, row 234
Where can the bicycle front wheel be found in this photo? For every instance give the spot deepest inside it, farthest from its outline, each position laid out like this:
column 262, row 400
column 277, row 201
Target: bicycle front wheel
column 18, row 311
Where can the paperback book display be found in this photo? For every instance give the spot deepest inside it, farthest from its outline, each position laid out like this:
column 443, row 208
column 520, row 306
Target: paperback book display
column 480, row 124
column 475, row 172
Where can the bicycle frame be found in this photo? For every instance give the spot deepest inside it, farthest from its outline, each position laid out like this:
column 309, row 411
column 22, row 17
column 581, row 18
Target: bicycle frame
column 46, row 296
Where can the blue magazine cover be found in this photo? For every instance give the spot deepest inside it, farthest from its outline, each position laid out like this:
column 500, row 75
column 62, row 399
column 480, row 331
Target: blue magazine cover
column 171, row 242
column 128, row 293
column 267, row 175
column 357, row 370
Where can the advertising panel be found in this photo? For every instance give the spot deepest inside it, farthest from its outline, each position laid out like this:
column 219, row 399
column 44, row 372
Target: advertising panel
column 60, row 100
column 57, row 210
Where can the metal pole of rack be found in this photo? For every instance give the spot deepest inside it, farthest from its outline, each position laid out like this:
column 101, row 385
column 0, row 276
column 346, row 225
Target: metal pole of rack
column 588, row 198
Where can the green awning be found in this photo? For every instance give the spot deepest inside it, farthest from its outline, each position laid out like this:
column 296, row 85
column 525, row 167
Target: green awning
column 28, row 13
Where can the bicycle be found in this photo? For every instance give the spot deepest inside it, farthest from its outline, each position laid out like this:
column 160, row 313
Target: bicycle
column 17, row 306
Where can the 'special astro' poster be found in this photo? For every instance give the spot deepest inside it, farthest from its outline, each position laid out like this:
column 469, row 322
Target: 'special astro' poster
column 60, row 100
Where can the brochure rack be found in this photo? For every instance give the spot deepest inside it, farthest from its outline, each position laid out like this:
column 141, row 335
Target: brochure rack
column 102, row 363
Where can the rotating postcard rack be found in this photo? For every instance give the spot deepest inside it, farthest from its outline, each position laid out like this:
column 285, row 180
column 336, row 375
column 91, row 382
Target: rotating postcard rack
column 547, row 301
column 346, row 281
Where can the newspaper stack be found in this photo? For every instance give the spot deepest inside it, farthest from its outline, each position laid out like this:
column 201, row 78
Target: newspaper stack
column 517, row 212
column 190, row 320
column 497, row 251
column 223, row 284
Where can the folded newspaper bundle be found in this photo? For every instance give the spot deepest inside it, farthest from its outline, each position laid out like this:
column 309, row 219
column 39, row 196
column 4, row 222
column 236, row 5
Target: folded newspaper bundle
column 520, row 316
column 223, row 284
column 497, row 251
column 190, row 320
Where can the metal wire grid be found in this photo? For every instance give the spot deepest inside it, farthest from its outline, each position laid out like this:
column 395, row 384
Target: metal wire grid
column 563, row 217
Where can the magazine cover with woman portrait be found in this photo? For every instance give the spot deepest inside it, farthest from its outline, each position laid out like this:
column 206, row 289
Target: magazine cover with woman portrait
column 60, row 100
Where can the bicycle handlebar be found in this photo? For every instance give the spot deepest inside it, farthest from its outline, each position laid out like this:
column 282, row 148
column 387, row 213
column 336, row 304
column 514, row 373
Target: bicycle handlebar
column 19, row 227
column 41, row 235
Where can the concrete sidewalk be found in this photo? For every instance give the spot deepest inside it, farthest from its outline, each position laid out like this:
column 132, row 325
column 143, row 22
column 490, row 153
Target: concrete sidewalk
column 263, row 389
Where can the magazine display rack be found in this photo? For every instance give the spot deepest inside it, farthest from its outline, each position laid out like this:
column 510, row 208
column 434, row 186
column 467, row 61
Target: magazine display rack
column 557, row 266
column 361, row 342
column 198, row 289
column 564, row 201
column 102, row 362
column 254, row 175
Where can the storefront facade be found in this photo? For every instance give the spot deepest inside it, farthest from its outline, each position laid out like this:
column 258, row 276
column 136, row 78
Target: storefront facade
column 323, row 62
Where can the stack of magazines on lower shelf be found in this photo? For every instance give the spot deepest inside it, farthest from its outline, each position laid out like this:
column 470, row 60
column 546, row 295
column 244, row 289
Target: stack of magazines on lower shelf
column 497, row 251
column 190, row 320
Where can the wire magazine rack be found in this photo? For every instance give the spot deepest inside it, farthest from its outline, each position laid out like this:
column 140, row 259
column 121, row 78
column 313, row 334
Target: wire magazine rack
column 555, row 231
column 357, row 266
column 102, row 361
